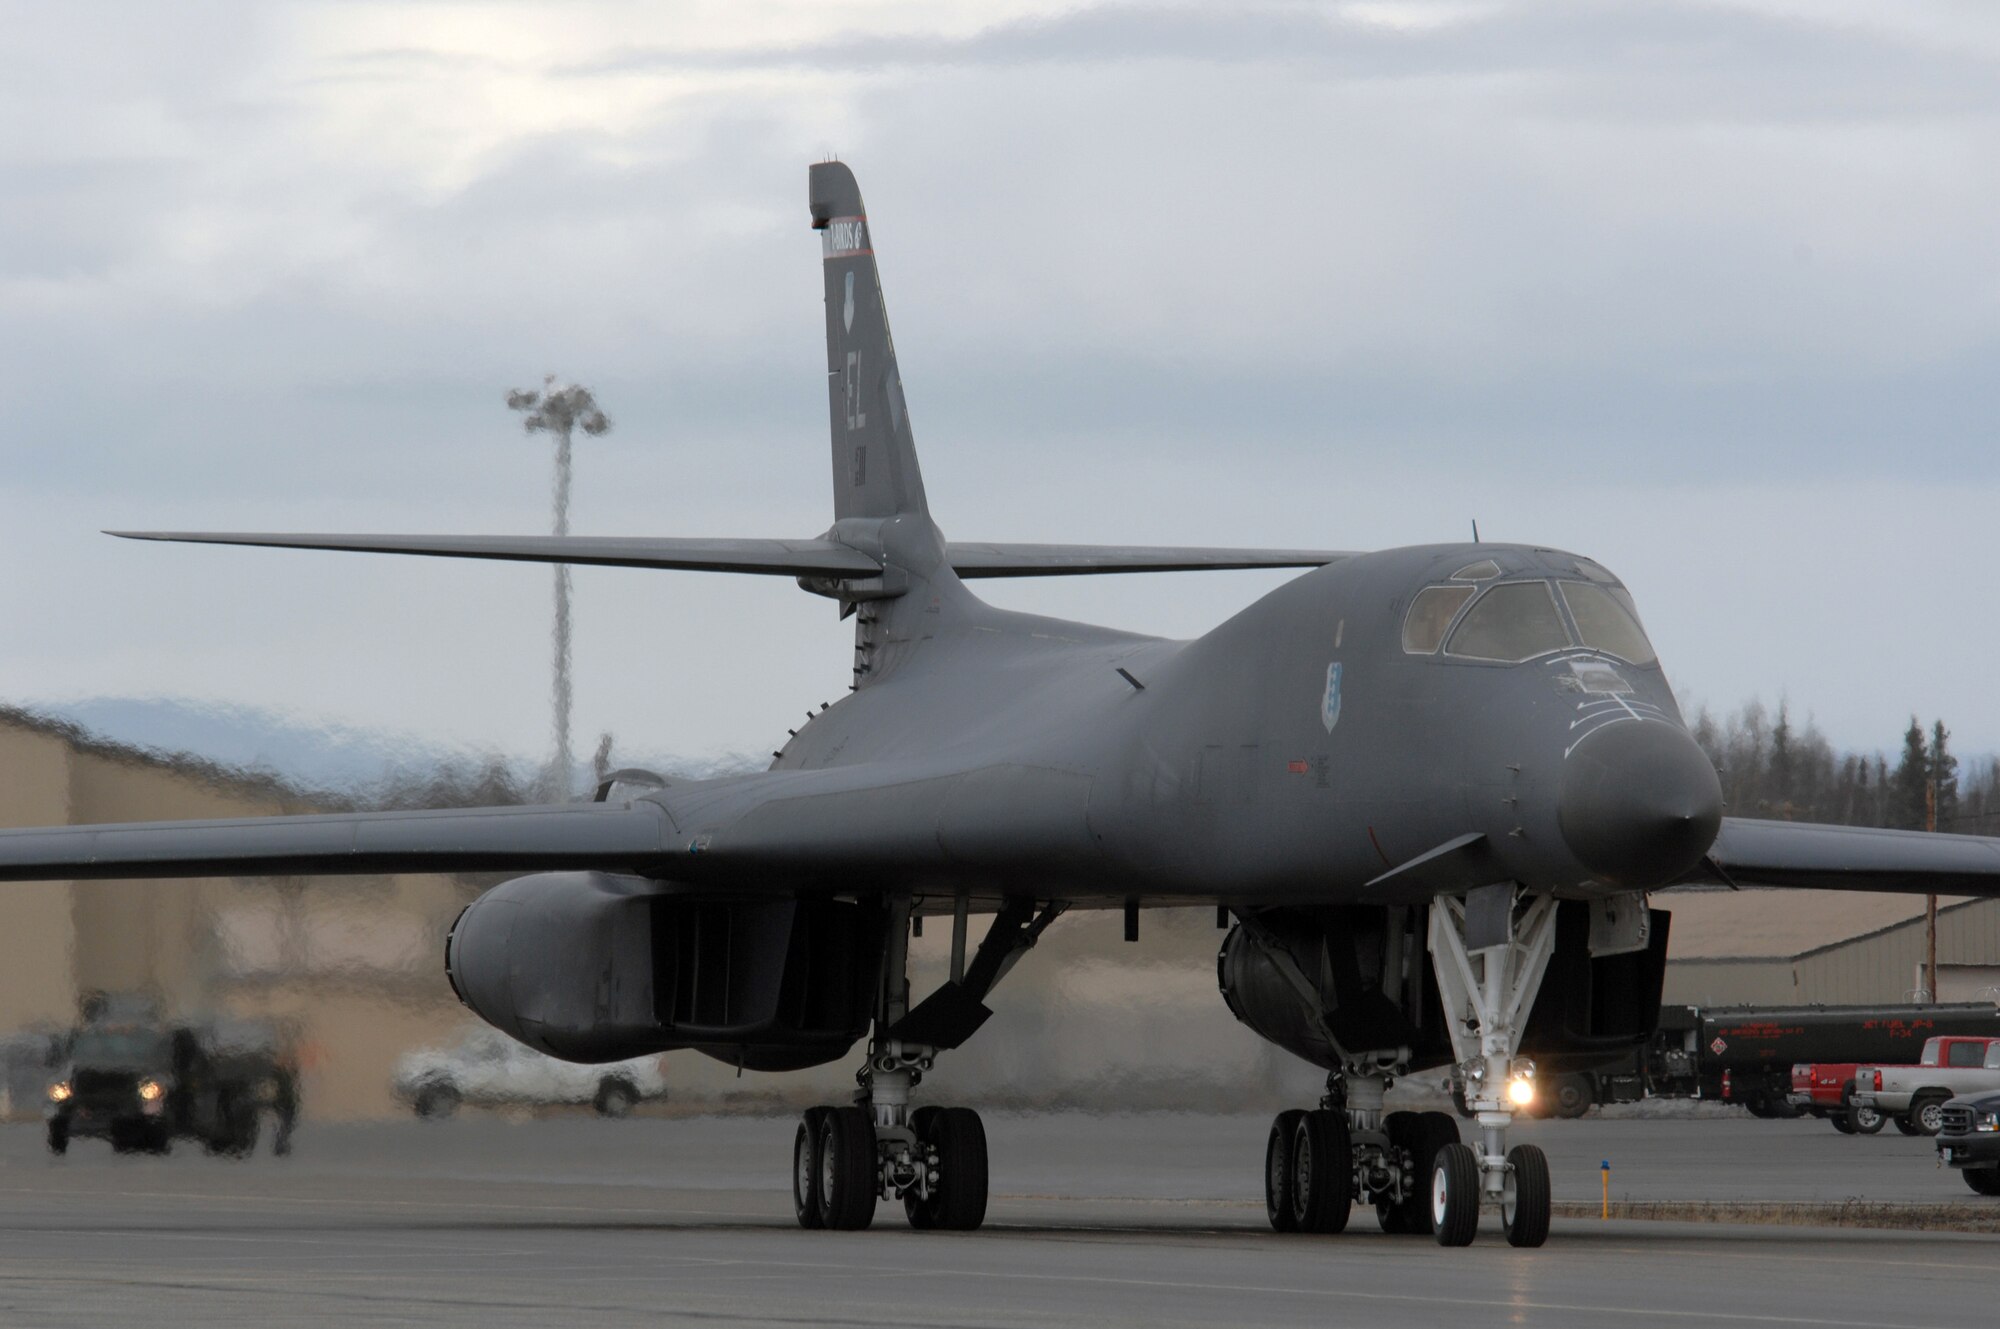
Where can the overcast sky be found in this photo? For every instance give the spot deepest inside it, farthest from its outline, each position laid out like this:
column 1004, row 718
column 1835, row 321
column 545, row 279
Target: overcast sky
column 1708, row 291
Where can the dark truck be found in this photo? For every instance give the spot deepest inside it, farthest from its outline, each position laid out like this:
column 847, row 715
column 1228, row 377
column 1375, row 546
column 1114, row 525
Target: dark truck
column 141, row 1085
column 1745, row 1054
column 1968, row 1139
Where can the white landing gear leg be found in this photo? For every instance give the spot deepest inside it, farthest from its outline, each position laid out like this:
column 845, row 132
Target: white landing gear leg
column 1490, row 951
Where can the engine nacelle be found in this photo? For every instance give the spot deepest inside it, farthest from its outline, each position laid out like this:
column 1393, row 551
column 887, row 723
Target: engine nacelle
column 1371, row 970
column 1366, row 963
column 593, row 967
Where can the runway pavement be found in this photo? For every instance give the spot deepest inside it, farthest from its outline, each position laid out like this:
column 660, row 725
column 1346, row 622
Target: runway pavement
column 1145, row 1220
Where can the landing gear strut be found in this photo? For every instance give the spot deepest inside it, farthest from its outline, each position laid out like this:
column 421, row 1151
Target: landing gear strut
column 1490, row 951
column 845, row 1159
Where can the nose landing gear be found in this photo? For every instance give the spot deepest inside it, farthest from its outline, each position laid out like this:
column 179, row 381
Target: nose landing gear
column 1491, row 951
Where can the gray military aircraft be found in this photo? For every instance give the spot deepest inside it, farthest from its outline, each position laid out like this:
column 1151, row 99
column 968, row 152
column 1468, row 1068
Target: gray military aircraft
column 1427, row 789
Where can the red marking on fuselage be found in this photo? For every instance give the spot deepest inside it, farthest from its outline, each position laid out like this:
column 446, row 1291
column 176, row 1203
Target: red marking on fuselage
column 1386, row 860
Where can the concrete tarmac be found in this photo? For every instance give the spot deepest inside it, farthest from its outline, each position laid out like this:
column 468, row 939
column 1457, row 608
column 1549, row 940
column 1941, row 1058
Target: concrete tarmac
column 1136, row 1220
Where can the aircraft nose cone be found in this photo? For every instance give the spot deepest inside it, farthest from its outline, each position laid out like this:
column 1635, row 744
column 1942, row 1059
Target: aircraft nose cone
column 1640, row 803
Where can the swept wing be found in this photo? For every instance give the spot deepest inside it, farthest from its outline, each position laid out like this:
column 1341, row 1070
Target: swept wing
column 1853, row 858
column 790, row 558
column 632, row 837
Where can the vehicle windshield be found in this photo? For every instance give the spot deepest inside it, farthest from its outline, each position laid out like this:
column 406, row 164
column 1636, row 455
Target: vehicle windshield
column 1511, row 622
column 119, row 1047
column 1430, row 614
column 1605, row 621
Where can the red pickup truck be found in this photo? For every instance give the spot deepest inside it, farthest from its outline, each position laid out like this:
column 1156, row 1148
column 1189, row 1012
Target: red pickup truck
column 1914, row 1096
column 1826, row 1089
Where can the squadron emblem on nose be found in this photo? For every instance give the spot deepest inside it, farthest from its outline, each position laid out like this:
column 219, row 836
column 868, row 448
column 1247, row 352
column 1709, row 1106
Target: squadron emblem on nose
column 1329, row 706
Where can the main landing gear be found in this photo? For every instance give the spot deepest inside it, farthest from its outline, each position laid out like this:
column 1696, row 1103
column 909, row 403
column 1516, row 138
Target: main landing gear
column 1490, row 952
column 1319, row 1164
column 846, row 1159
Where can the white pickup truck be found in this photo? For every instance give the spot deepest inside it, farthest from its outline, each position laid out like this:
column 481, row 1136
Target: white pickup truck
column 1913, row 1096
column 490, row 1069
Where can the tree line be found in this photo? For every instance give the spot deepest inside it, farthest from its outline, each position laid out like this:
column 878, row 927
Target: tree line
column 1771, row 767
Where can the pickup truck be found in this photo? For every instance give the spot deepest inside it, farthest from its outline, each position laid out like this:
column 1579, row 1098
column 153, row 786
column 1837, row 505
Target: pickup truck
column 1970, row 1141
column 492, row 1070
column 1914, row 1096
column 1826, row 1089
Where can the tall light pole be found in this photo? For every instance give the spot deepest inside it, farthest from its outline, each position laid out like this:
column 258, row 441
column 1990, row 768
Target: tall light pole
column 558, row 409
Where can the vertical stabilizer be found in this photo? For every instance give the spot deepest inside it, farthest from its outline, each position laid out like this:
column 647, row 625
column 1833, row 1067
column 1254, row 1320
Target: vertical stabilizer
column 874, row 453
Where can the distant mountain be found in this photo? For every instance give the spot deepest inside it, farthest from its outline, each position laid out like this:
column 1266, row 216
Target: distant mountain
column 316, row 755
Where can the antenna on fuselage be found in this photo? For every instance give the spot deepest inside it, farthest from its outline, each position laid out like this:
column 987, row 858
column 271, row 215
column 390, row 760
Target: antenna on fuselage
column 1475, row 530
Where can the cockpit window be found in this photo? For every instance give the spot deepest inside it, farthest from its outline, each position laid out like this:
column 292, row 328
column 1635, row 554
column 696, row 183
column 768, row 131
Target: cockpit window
column 1483, row 571
column 1514, row 621
column 1605, row 621
column 1430, row 614
column 1595, row 571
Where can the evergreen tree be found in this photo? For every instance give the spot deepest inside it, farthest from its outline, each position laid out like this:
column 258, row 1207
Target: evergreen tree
column 1913, row 772
column 1944, row 771
column 1782, row 778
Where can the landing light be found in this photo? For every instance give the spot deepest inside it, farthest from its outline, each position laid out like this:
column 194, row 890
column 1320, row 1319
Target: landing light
column 150, row 1090
column 1520, row 1091
column 59, row 1092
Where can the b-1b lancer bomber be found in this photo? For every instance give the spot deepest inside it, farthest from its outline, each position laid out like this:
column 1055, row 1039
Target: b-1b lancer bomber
column 1428, row 789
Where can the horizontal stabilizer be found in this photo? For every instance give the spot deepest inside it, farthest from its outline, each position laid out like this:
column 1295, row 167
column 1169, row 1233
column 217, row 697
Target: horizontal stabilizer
column 510, row 839
column 1035, row 560
column 785, row 558
column 1748, row 852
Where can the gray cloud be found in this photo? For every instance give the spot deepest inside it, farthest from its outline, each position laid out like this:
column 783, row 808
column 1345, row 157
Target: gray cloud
column 1692, row 288
column 1628, row 59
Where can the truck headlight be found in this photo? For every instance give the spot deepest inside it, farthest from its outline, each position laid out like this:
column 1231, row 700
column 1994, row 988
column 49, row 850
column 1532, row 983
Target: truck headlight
column 152, row 1090
column 59, row 1092
column 1986, row 1121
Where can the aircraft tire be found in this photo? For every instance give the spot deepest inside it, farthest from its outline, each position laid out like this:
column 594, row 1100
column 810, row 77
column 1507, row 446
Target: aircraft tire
column 1982, row 1180
column 962, row 1169
column 1524, row 1206
column 59, row 1138
column 1278, row 1172
column 805, row 1168
column 847, row 1169
column 1434, row 1130
column 1454, row 1196
column 1322, row 1172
